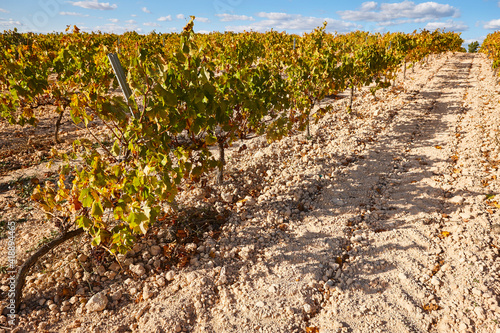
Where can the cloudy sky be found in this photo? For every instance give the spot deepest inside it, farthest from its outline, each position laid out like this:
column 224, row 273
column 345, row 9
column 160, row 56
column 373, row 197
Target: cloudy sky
column 474, row 19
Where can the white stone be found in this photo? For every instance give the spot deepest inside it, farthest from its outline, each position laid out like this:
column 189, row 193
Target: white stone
column 170, row 275
column 435, row 281
column 146, row 292
column 137, row 269
column 458, row 200
column 259, row 304
column 479, row 312
column 97, row 302
column 334, row 265
column 222, row 277
column 160, row 281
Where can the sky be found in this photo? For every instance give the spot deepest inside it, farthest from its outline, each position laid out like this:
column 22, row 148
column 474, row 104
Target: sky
column 473, row 18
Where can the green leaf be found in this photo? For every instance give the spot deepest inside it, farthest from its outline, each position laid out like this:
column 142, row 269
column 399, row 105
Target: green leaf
column 116, row 148
column 83, row 222
column 85, row 197
column 96, row 209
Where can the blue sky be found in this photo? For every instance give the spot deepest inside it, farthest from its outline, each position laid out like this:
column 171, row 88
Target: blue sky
column 474, row 19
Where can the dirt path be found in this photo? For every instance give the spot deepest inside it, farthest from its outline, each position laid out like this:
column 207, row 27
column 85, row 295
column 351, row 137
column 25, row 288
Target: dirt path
column 386, row 221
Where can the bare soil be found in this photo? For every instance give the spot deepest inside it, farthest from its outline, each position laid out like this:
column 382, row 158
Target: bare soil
column 387, row 220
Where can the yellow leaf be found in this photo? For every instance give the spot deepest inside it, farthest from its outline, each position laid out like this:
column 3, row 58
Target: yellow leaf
column 438, row 147
column 445, row 233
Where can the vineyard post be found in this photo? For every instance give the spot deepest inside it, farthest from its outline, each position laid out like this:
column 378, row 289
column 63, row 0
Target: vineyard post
column 120, row 76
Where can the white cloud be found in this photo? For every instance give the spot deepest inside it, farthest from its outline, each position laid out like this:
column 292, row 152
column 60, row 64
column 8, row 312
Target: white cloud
column 165, row 18
column 4, row 10
column 145, row 10
column 94, row 4
column 133, row 15
column 203, row 19
column 284, row 21
column 73, row 14
column 114, row 20
column 151, row 24
column 449, row 25
column 131, row 22
column 492, row 25
column 115, row 28
column 370, row 5
column 180, row 16
column 228, row 17
column 10, row 23
column 203, row 32
column 386, row 12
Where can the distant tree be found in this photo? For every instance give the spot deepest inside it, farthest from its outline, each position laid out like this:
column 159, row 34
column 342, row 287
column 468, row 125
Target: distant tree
column 473, row 47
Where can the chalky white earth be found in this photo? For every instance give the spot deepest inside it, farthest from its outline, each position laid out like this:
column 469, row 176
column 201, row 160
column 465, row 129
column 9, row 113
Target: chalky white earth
column 385, row 221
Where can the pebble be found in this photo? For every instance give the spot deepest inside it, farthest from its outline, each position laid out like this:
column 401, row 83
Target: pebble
column 479, row 312
column 307, row 308
column 495, row 228
column 115, row 267
column 476, row 292
column 82, row 257
column 155, row 250
column 259, row 304
column 227, row 197
column 138, row 269
column 222, row 277
column 334, row 265
column 160, row 281
column 457, row 200
column 65, row 307
column 435, row 281
column 170, row 275
column 97, row 303
column 146, row 292
column 117, row 295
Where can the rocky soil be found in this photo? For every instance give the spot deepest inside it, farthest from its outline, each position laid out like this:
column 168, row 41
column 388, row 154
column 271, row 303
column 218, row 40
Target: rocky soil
column 387, row 220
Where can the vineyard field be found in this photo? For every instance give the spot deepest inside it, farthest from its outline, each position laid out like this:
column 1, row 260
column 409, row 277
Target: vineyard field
column 349, row 184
